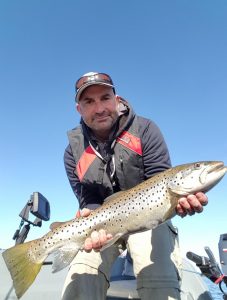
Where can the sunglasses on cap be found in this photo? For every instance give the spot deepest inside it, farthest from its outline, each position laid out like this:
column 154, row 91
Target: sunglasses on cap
column 98, row 77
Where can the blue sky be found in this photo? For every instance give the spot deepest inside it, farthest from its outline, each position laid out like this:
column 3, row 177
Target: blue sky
column 168, row 58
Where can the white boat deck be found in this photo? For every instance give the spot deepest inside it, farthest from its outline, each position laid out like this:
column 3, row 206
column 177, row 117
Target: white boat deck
column 49, row 286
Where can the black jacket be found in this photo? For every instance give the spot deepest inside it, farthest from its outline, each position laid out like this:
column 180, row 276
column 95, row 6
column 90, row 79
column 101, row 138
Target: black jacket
column 155, row 155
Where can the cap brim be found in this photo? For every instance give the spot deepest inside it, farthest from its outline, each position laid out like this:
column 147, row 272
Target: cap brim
column 83, row 87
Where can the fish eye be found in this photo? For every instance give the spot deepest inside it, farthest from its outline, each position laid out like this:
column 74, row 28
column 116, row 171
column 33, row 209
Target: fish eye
column 197, row 166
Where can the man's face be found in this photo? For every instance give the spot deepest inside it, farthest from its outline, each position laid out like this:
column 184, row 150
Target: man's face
column 98, row 106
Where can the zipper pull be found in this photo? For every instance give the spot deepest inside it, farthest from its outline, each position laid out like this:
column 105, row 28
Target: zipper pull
column 121, row 162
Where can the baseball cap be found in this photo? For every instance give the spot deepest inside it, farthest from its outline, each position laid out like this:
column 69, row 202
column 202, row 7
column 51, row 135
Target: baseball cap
column 92, row 78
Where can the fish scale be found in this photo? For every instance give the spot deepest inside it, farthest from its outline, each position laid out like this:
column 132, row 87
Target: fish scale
column 143, row 207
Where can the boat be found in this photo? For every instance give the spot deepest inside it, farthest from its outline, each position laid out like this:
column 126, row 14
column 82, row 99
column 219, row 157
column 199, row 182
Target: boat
column 122, row 281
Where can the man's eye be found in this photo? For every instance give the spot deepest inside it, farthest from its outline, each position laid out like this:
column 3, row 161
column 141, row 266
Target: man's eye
column 106, row 98
column 88, row 102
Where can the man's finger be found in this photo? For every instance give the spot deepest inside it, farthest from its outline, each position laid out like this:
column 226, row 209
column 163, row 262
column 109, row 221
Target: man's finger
column 95, row 240
column 102, row 237
column 88, row 245
column 202, row 198
column 195, row 204
column 85, row 212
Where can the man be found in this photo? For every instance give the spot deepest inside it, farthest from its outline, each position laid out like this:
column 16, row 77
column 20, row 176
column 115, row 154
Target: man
column 111, row 150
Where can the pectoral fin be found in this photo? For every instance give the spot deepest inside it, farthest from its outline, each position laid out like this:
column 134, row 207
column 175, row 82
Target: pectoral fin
column 177, row 190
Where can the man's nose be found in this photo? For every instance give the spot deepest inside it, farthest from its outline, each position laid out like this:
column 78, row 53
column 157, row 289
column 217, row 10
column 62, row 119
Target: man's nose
column 99, row 107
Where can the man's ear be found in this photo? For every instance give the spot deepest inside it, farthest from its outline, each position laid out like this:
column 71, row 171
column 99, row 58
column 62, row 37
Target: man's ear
column 118, row 103
column 118, row 98
column 78, row 108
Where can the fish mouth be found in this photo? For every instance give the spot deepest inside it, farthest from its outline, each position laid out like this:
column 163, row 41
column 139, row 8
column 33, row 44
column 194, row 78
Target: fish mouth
column 216, row 167
column 212, row 174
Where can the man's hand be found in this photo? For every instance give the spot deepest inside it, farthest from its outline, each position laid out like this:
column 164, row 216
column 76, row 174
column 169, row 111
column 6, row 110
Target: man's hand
column 97, row 238
column 191, row 204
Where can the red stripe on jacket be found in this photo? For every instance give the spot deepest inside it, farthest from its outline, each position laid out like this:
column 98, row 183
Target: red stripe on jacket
column 131, row 142
column 85, row 161
column 126, row 139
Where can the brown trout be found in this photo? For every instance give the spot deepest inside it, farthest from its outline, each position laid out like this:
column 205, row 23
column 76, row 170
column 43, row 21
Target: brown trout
column 140, row 208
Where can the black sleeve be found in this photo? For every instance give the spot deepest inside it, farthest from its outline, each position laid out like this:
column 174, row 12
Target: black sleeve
column 155, row 152
column 83, row 195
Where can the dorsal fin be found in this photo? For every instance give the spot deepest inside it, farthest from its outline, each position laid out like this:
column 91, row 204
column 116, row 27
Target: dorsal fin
column 54, row 225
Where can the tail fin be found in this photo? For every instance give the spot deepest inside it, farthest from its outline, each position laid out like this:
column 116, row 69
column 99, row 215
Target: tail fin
column 23, row 271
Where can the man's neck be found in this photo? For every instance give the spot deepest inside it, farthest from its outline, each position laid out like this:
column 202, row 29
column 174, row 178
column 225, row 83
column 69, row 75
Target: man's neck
column 101, row 136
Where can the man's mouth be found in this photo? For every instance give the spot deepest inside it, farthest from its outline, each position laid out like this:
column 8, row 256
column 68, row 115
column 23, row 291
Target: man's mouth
column 101, row 118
